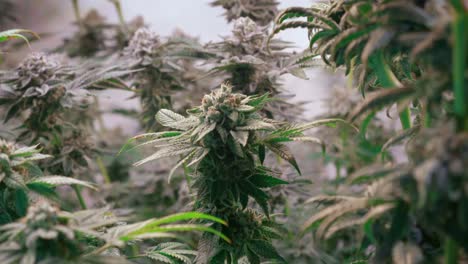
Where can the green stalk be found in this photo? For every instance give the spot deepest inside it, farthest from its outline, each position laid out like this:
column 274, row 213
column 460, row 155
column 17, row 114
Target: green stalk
column 187, row 176
column 135, row 249
column 450, row 251
column 76, row 9
column 459, row 64
column 103, row 169
column 118, row 8
column 338, row 174
column 388, row 80
column 100, row 250
column 80, row 197
column 427, row 116
column 459, row 57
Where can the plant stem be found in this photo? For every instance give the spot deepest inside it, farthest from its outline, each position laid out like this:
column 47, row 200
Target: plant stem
column 387, row 79
column 450, row 251
column 135, row 249
column 79, row 196
column 103, row 169
column 459, row 64
column 100, row 250
column 405, row 118
column 427, row 116
column 459, row 57
column 76, row 9
column 187, row 176
column 118, row 8
column 338, row 174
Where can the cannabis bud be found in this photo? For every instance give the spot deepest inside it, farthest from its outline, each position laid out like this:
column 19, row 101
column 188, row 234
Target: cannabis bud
column 42, row 223
column 260, row 11
column 221, row 102
column 14, row 163
column 19, row 176
column 35, row 70
column 43, row 236
column 143, row 46
column 248, row 34
column 6, row 148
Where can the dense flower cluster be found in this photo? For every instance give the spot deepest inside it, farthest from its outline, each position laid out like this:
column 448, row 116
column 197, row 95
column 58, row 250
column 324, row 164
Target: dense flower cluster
column 222, row 103
column 143, row 46
column 43, row 223
column 261, row 11
column 37, row 68
column 14, row 163
column 6, row 148
column 248, row 34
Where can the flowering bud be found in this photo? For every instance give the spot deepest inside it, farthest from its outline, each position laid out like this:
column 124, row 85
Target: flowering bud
column 37, row 68
column 143, row 45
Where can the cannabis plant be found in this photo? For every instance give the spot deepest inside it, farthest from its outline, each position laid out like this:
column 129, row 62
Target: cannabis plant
column 43, row 88
column 97, row 38
column 356, row 35
column 171, row 252
column 224, row 141
column 417, row 53
column 43, row 94
column 190, row 63
column 252, row 69
column 350, row 150
column 159, row 75
column 49, row 235
column 45, row 236
column 399, row 199
column 262, row 12
column 20, row 176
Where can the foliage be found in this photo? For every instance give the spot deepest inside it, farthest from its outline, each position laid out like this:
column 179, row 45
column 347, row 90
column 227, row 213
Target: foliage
column 97, row 38
column 171, row 252
column 261, row 12
column 48, row 235
column 159, row 74
column 386, row 193
column 20, row 176
column 43, row 93
column 406, row 49
column 252, row 69
column 16, row 34
column 227, row 129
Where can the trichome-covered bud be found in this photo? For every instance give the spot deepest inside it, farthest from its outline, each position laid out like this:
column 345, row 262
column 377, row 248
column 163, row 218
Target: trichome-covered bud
column 248, row 34
column 143, row 45
column 221, row 102
column 7, row 148
column 260, row 11
column 37, row 69
column 42, row 213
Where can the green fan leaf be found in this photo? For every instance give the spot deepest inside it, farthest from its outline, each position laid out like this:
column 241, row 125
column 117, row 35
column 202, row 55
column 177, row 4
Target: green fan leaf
column 284, row 152
column 379, row 99
column 140, row 233
column 16, row 34
column 61, row 180
column 265, row 249
column 21, row 202
column 265, row 181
